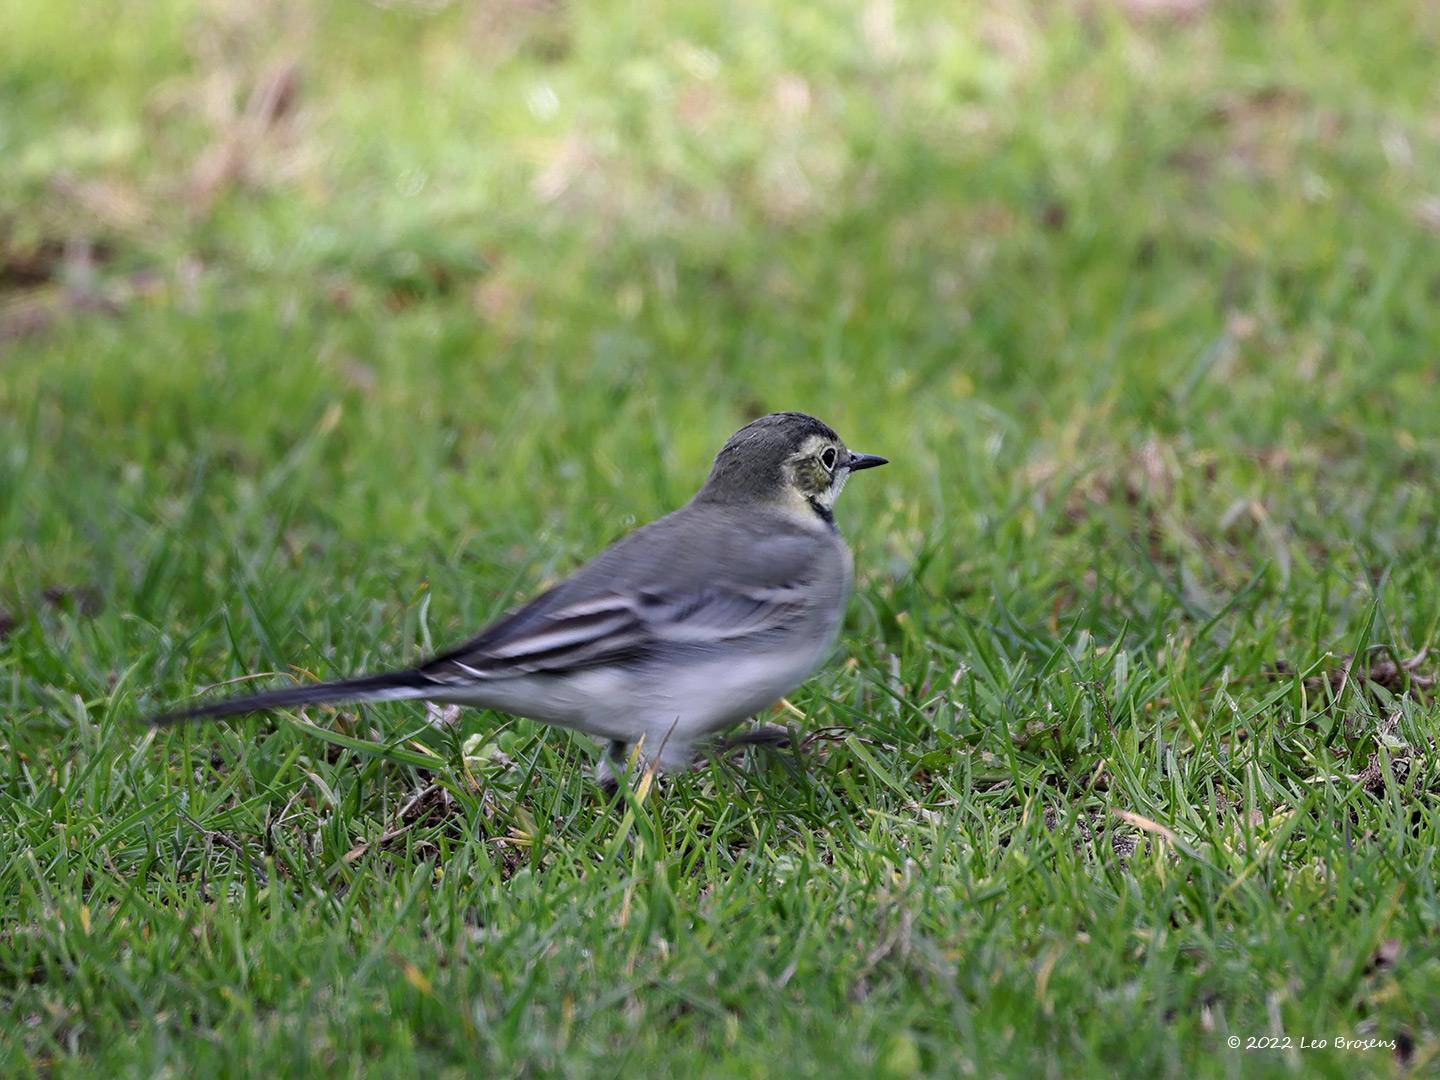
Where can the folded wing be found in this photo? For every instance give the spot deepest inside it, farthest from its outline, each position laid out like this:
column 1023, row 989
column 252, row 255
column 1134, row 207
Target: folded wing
column 616, row 626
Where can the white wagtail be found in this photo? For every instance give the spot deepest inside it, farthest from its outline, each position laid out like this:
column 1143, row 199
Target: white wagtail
column 677, row 631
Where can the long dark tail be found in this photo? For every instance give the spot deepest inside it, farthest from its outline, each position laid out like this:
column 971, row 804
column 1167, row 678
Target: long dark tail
column 392, row 686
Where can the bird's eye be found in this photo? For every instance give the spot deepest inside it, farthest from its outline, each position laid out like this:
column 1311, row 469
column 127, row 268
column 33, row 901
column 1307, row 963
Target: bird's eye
column 828, row 458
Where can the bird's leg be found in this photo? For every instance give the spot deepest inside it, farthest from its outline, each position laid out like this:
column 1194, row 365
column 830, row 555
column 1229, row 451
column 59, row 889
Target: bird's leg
column 667, row 754
column 611, row 765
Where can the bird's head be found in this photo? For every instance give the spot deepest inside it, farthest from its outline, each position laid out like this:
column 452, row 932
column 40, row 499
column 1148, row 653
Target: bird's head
column 789, row 458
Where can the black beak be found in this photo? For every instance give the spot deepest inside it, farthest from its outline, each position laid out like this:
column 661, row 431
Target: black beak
column 865, row 461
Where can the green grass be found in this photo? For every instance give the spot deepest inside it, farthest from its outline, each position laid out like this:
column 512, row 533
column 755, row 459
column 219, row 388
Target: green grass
column 1144, row 311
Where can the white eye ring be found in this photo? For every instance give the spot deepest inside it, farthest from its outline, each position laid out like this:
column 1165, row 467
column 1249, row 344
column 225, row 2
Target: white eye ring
column 828, row 459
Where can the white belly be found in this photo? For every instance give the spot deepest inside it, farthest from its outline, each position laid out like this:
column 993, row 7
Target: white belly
column 682, row 701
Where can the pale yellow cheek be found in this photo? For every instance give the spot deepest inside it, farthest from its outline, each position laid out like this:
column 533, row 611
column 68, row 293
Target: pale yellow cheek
column 827, row 497
column 794, row 500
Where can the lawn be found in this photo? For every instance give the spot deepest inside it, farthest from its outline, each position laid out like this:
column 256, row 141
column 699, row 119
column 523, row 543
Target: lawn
column 329, row 331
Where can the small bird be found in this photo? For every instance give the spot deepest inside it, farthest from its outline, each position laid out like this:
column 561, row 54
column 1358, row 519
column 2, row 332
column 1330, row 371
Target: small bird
column 676, row 632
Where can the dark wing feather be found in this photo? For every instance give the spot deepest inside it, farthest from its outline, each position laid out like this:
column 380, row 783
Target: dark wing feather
column 614, row 626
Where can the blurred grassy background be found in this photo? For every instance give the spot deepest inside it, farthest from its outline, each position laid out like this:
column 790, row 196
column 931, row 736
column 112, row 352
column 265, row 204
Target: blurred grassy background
column 311, row 312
